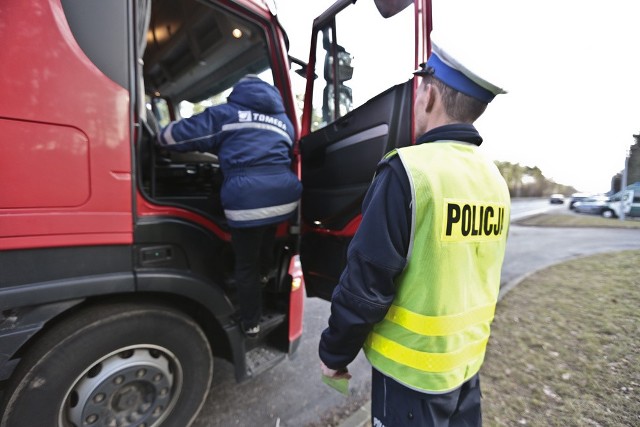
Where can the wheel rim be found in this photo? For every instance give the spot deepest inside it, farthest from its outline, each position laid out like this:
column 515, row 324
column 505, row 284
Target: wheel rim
column 607, row 214
column 133, row 386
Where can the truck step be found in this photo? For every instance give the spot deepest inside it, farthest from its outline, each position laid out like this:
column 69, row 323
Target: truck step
column 261, row 358
column 270, row 321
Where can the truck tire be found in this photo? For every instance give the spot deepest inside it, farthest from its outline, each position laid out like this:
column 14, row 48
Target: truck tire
column 116, row 365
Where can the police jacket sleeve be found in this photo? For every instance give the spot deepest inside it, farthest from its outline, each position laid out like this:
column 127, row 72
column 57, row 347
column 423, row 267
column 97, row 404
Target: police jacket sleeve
column 376, row 255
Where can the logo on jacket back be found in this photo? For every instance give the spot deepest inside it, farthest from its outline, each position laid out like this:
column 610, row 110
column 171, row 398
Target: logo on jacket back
column 248, row 116
column 466, row 220
column 244, row 116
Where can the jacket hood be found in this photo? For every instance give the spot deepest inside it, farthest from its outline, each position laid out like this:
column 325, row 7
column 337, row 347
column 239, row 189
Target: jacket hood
column 257, row 95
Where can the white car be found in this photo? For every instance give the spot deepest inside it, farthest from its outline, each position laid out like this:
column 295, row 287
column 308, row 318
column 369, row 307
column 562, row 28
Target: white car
column 598, row 205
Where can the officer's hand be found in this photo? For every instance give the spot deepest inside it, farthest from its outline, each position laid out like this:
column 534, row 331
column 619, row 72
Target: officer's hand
column 333, row 373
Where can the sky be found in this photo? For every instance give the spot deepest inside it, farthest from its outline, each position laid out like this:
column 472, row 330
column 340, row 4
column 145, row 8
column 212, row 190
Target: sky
column 571, row 69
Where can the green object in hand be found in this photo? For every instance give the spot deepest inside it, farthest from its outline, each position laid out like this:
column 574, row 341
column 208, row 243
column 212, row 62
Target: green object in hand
column 340, row 384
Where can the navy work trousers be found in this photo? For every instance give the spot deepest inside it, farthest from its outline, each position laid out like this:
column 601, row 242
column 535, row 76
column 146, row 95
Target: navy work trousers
column 394, row 405
column 253, row 250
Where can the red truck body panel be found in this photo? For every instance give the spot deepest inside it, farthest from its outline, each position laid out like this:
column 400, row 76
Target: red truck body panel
column 66, row 161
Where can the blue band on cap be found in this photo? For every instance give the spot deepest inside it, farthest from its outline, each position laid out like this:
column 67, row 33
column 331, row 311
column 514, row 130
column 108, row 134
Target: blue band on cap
column 458, row 81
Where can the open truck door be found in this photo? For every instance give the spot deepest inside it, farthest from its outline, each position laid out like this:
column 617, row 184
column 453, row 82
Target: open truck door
column 358, row 106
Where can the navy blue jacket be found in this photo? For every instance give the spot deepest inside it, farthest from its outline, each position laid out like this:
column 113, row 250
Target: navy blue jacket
column 253, row 138
column 377, row 255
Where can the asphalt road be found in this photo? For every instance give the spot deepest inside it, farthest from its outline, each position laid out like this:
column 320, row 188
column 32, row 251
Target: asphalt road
column 292, row 393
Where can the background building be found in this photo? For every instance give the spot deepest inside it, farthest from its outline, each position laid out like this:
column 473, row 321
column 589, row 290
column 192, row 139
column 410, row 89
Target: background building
column 633, row 167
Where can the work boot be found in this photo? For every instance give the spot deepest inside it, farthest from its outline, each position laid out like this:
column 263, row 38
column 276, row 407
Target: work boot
column 252, row 331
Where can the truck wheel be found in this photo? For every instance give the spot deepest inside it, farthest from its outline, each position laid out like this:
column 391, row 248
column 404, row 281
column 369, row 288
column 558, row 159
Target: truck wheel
column 117, row 365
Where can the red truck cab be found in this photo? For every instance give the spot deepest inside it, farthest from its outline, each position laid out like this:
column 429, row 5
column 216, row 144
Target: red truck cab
column 116, row 284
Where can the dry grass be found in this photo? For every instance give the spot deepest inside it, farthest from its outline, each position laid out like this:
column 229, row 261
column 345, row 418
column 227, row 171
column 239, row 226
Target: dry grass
column 576, row 220
column 564, row 349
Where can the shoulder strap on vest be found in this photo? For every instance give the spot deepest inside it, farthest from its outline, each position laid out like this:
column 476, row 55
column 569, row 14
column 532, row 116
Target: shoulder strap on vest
column 390, row 154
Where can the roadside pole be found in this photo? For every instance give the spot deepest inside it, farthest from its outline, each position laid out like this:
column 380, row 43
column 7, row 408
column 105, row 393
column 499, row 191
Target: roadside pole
column 623, row 185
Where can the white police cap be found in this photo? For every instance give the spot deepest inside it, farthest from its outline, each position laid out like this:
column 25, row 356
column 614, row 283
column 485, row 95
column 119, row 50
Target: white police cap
column 451, row 72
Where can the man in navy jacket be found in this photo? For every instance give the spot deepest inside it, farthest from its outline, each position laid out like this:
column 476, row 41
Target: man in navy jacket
column 253, row 138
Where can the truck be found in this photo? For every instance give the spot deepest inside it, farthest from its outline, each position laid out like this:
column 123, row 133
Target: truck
column 626, row 202
column 116, row 270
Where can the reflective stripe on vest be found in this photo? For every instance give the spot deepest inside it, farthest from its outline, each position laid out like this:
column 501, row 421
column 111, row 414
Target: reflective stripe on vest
column 424, row 361
column 439, row 325
column 434, row 335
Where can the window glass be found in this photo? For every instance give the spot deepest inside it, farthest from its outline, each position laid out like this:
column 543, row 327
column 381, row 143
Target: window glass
column 188, row 109
column 160, row 108
column 196, row 52
column 371, row 58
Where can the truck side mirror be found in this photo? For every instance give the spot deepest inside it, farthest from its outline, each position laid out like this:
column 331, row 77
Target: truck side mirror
column 345, row 70
column 388, row 8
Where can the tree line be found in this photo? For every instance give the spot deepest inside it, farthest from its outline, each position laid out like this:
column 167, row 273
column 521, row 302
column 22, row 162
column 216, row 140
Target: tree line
column 527, row 181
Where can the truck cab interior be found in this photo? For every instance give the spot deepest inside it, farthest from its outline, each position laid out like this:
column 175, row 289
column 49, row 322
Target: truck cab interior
column 191, row 55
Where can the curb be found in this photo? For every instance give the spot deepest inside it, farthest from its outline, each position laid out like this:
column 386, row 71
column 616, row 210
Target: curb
column 515, row 282
column 360, row 418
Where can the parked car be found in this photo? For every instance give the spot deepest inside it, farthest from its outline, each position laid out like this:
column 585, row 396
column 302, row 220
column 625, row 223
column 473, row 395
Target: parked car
column 597, row 205
column 577, row 197
column 556, row 199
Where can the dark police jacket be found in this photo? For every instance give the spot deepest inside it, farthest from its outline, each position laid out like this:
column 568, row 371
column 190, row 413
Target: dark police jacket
column 253, row 138
column 374, row 259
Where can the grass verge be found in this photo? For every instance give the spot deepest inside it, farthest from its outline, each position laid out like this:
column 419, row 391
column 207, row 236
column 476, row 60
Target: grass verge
column 576, row 220
column 564, row 347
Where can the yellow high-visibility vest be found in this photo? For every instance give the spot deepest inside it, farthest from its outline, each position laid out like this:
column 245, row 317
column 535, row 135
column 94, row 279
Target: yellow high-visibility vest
column 434, row 336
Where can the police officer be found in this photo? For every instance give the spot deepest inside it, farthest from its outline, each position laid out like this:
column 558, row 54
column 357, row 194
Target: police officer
column 423, row 271
column 253, row 138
